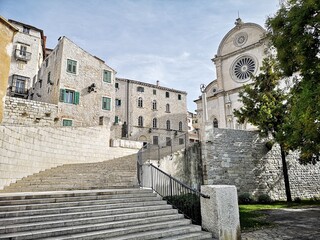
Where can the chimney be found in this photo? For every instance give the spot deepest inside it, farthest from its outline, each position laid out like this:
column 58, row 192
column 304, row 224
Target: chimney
column 158, row 83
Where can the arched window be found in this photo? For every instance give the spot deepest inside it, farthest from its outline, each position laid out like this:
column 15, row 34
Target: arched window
column 215, row 123
column 154, row 123
column 140, row 121
column 167, row 107
column 180, row 126
column 154, row 105
column 168, row 125
column 140, row 102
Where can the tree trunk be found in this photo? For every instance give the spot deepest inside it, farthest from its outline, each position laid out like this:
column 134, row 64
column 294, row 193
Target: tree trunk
column 285, row 174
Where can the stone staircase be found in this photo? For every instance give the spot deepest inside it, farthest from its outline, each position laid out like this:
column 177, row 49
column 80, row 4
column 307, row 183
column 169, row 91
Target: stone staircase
column 90, row 201
column 116, row 173
column 93, row 214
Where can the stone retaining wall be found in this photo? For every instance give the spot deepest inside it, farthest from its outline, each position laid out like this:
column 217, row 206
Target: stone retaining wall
column 20, row 111
column 236, row 157
column 26, row 150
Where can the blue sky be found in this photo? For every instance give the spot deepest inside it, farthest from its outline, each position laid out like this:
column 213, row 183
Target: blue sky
column 172, row 41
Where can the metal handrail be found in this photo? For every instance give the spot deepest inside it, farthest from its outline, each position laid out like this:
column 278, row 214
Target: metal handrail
column 178, row 194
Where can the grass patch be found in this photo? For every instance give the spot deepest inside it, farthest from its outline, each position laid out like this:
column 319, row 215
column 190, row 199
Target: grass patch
column 253, row 218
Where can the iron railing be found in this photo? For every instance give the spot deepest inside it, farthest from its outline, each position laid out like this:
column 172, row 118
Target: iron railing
column 22, row 55
column 178, row 194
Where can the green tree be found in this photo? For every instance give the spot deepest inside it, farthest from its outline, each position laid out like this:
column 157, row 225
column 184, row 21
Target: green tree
column 295, row 32
column 265, row 106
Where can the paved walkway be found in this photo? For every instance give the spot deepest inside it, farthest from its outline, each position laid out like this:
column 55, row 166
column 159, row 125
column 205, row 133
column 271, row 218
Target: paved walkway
column 298, row 224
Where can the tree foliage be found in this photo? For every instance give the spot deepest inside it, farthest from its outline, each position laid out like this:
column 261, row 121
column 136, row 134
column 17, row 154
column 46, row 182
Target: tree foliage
column 265, row 106
column 295, row 32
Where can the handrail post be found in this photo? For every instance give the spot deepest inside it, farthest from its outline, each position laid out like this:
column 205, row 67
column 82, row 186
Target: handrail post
column 151, row 177
column 171, row 187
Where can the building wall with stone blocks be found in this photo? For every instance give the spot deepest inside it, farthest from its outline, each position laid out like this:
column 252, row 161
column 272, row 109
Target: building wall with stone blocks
column 7, row 32
column 156, row 102
column 77, row 84
column 27, row 56
column 241, row 158
column 25, row 150
column 20, row 111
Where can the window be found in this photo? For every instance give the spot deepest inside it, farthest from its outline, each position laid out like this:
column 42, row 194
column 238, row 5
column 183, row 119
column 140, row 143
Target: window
column 47, row 62
column 215, row 123
column 118, row 102
column 140, row 121
column 69, row 96
column 179, row 96
column 168, row 108
column 107, row 76
column 140, row 102
column 71, row 66
column 167, row 94
column 106, row 103
column 116, row 85
column 168, row 141
column 140, row 89
column 181, row 141
column 155, row 140
column 66, row 122
column 154, row 105
column 49, row 80
column 26, row 30
column 168, row 125
column 23, row 50
column 180, row 126
column 154, row 92
column 154, row 123
column 19, row 84
column 116, row 119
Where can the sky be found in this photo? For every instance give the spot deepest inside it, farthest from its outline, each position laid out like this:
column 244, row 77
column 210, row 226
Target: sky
column 172, row 41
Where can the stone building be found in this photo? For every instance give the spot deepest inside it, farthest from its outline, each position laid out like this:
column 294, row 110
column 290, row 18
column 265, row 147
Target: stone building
column 239, row 55
column 80, row 84
column 7, row 32
column 193, row 127
column 27, row 56
column 149, row 112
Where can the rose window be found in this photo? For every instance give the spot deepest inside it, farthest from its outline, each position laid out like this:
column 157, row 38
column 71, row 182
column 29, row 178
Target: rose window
column 243, row 68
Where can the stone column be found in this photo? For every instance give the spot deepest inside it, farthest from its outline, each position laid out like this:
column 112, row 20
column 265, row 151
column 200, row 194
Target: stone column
column 220, row 212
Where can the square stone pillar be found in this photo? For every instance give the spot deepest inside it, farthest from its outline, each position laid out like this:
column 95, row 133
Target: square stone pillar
column 220, row 212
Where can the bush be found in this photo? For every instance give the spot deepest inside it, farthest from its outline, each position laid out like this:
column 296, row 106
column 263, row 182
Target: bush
column 314, row 199
column 297, row 200
column 245, row 198
column 264, row 198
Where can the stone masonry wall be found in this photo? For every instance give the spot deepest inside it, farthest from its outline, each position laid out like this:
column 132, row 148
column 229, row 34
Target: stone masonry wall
column 20, row 111
column 25, row 150
column 240, row 158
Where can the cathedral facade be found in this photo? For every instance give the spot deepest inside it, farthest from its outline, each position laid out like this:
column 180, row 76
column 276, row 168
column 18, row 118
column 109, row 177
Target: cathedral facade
column 239, row 56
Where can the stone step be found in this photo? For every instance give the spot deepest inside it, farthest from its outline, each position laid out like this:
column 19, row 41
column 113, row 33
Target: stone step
column 110, row 215
column 106, row 220
column 124, row 208
column 191, row 236
column 21, row 207
column 114, row 229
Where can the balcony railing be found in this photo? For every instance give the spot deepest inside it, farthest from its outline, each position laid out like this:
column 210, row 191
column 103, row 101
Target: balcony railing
column 22, row 55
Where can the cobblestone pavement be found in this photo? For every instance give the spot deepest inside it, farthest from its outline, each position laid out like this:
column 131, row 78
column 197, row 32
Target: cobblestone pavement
column 298, row 224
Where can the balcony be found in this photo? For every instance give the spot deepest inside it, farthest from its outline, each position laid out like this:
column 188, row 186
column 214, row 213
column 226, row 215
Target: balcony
column 22, row 55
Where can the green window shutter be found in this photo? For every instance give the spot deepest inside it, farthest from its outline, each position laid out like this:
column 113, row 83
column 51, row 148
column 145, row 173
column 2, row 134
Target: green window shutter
column 116, row 119
column 66, row 122
column 62, row 95
column 106, row 103
column 76, row 98
column 107, row 76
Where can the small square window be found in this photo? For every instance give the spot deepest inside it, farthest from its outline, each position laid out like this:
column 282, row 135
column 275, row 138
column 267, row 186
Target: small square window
column 107, row 76
column 66, row 122
column 26, row 30
column 116, row 85
column 140, row 89
column 71, row 66
column 118, row 102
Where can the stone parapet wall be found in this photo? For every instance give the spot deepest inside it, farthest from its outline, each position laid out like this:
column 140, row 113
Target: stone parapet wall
column 26, row 150
column 20, row 111
column 236, row 157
